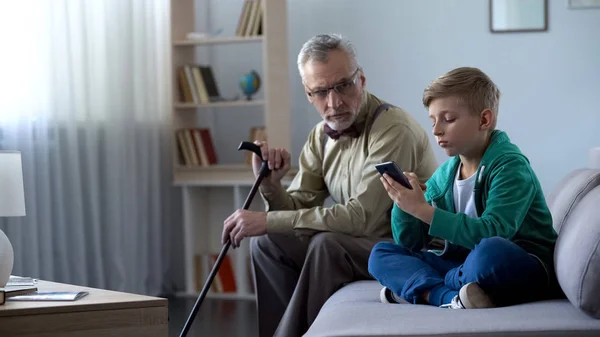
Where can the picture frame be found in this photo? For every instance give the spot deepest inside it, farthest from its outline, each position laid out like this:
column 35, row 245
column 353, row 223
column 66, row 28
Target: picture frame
column 583, row 4
column 514, row 16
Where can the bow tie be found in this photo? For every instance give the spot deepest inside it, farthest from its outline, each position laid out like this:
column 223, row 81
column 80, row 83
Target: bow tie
column 352, row 131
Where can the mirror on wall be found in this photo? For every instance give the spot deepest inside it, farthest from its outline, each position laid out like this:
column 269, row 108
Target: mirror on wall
column 518, row 16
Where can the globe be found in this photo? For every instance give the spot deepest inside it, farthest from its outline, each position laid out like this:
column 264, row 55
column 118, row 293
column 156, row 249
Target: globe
column 250, row 83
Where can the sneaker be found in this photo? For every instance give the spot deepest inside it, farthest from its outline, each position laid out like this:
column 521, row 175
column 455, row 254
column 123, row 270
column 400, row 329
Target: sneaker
column 388, row 296
column 470, row 296
column 454, row 304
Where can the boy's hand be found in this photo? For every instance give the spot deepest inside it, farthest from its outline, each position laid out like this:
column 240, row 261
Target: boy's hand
column 410, row 201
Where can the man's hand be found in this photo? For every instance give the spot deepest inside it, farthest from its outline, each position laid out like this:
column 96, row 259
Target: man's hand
column 243, row 223
column 410, row 201
column 279, row 162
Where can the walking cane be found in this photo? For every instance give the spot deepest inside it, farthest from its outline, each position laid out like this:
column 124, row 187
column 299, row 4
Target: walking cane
column 263, row 172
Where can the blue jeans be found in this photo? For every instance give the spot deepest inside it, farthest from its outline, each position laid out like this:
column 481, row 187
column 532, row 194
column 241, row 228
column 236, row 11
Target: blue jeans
column 502, row 269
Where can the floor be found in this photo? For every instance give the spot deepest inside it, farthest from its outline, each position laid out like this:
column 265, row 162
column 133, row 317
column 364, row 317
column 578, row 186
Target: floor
column 216, row 317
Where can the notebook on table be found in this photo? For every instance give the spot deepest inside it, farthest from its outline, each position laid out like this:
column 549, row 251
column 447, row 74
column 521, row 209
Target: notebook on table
column 14, row 291
column 50, row 296
column 20, row 281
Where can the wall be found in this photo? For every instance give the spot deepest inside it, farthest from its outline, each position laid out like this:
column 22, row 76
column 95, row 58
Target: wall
column 550, row 81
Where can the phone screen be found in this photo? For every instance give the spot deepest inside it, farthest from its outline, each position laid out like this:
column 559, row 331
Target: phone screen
column 393, row 171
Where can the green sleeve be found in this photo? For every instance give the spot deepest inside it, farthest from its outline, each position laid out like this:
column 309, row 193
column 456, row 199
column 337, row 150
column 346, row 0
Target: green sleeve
column 408, row 231
column 511, row 192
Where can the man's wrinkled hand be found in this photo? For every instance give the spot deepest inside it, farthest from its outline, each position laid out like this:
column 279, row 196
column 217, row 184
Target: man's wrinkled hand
column 241, row 224
column 279, row 162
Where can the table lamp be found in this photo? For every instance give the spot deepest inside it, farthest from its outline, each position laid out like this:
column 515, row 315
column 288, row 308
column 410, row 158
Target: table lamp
column 12, row 203
column 595, row 157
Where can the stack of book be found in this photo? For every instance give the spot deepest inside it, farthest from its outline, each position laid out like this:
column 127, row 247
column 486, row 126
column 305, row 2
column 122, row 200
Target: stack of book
column 224, row 281
column 251, row 19
column 17, row 286
column 25, row 289
column 196, row 148
column 197, row 84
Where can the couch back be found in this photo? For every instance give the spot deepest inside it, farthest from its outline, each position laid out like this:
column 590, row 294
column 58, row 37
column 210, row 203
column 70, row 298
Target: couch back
column 575, row 208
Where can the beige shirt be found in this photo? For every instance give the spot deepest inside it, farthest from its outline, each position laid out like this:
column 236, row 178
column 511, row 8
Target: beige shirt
column 347, row 173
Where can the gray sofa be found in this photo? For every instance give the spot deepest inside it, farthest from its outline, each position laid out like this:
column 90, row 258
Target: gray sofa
column 355, row 309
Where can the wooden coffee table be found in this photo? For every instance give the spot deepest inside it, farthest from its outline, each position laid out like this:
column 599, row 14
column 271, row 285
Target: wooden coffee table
column 101, row 313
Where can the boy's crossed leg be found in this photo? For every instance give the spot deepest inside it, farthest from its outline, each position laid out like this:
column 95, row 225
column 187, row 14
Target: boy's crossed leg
column 497, row 272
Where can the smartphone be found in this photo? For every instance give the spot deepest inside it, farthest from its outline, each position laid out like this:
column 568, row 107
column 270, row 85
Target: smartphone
column 393, row 171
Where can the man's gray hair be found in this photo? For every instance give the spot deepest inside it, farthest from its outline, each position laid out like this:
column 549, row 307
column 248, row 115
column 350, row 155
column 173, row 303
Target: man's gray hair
column 318, row 47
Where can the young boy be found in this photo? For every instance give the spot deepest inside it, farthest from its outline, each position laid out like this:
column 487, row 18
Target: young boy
column 484, row 208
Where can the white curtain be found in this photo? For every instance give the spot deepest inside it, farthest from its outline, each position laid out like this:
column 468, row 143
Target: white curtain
column 84, row 96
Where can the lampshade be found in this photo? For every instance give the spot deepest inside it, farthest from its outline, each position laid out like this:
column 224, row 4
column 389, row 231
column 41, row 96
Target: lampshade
column 12, row 197
column 595, row 158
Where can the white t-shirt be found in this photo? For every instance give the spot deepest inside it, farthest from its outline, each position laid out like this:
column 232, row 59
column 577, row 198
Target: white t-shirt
column 464, row 196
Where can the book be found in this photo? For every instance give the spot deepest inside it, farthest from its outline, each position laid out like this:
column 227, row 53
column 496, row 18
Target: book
column 13, row 291
column 214, row 95
column 20, row 281
column 224, row 281
column 256, row 133
column 50, row 296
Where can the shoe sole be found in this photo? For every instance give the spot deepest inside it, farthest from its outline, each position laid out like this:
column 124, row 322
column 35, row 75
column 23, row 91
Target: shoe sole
column 473, row 297
column 383, row 297
column 390, row 298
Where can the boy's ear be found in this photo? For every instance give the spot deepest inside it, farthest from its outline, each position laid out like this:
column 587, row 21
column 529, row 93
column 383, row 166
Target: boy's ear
column 486, row 120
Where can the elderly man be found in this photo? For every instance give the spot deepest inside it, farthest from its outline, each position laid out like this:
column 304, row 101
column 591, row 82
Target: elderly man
column 302, row 252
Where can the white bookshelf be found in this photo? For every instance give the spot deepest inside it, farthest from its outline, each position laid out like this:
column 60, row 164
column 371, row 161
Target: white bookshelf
column 223, row 104
column 212, row 193
column 220, row 175
column 223, row 40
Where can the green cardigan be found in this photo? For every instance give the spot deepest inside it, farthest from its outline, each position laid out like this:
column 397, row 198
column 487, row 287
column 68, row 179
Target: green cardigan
column 508, row 198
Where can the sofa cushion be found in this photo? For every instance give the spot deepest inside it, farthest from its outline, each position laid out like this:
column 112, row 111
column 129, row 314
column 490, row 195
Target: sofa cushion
column 569, row 191
column 577, row 254
column 355, row 310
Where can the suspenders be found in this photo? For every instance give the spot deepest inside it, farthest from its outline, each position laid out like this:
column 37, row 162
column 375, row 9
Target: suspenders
column 380, row 109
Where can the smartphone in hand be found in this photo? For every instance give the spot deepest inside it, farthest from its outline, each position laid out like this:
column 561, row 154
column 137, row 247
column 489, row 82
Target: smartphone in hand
column 393, row 171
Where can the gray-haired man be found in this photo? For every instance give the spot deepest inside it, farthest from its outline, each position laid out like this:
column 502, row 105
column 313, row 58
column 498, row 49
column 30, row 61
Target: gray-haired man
column 302, row 252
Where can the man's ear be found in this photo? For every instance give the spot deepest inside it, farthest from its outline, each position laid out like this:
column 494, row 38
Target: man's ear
column 310, row 99
column 363, row 79
column 306, row 92
column 486, row 120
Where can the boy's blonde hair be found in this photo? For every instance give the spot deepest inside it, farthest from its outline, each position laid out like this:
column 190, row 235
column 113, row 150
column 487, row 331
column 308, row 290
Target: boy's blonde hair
column 471, row 85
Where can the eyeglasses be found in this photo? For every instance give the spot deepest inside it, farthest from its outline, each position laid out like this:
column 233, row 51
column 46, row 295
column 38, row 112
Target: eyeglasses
column 341, row 88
